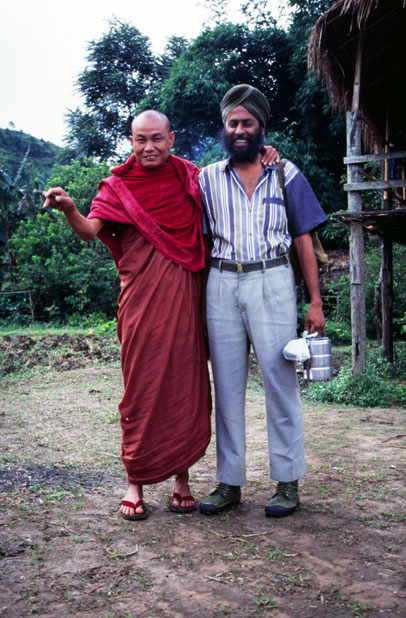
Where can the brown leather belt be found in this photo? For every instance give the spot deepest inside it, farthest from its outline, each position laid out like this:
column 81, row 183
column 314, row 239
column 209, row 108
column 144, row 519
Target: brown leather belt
column 246, row 267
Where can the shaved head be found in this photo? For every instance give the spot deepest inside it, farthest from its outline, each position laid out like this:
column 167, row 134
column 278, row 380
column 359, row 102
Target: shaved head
column 150, row 115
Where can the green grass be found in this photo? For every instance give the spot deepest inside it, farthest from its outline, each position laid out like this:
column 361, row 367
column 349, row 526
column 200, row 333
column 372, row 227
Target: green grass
column 41, row 328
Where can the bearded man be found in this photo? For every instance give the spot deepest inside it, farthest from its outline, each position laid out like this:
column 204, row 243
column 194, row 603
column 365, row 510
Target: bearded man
column 251, row 298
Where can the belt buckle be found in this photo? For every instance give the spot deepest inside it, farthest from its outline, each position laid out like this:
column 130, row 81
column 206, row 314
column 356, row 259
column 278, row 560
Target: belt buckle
column 239, row 268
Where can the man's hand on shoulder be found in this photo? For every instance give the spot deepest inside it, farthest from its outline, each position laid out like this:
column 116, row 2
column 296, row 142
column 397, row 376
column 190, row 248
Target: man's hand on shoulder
column 269, row 155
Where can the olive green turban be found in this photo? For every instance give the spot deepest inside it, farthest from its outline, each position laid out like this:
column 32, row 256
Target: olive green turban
column 249, row 97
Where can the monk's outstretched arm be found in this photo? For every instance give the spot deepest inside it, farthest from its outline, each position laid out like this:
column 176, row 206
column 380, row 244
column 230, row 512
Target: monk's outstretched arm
column 86, row 229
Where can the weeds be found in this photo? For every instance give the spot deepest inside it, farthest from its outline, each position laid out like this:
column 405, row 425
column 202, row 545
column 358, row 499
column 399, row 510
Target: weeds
column 371, row 389
column 265, row 602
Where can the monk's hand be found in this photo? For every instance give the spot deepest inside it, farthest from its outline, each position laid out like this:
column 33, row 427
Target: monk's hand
column 59, row 199
column 269, row 155
column 314, row 320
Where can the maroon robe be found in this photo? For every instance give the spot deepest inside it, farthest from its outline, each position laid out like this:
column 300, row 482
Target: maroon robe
column 159, row 251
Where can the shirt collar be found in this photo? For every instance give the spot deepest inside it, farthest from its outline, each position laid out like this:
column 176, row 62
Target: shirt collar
column 226, row 165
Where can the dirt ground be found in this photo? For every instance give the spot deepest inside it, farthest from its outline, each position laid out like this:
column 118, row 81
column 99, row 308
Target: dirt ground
column 65, row 552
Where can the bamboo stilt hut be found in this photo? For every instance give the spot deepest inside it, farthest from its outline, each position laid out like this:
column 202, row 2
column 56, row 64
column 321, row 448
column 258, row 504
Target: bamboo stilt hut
column 357, row 48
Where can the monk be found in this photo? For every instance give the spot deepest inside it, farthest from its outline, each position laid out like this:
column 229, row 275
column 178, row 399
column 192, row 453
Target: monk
column 149, row 214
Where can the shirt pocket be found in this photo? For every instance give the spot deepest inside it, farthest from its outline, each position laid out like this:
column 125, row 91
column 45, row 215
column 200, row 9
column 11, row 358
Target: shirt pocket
column 274, row 216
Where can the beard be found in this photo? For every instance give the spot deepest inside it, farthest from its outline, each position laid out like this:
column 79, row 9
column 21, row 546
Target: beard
column 245, row 154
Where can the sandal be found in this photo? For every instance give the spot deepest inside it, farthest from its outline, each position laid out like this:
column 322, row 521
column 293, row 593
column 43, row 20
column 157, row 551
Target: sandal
column 136, row 516
column 177, row 508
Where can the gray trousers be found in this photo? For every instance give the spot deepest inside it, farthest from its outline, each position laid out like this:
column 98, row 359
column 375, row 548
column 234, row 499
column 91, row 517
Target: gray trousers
column 257, row 307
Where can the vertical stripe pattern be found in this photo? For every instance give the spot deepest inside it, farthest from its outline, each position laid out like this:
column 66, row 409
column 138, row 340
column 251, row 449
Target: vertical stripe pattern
column 244, row 229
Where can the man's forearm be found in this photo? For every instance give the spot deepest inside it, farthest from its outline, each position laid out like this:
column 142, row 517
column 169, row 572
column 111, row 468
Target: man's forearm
column 86, row 229
column 308, row 265
column 314, row 320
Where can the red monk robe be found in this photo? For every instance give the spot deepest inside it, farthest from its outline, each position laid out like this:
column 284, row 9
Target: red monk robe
column 153, row 227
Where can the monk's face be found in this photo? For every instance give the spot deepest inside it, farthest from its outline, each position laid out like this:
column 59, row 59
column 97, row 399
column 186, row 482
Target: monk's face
column 243, row 134
column 151, row 140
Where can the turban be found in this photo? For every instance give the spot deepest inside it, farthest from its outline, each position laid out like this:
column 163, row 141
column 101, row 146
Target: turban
column 249, row 97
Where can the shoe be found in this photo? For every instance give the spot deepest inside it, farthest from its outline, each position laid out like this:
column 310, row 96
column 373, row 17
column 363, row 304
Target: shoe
column 221, row 498
column 284, row 501
column 177, row 508
column 136, row 516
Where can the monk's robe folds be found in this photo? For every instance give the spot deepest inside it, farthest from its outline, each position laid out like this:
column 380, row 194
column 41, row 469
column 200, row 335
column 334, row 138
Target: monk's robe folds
column 165, row 411
column 153, row 228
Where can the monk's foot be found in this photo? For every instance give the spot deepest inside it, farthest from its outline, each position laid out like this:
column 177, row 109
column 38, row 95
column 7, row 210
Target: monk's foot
column 132, row 506
column 182, row 500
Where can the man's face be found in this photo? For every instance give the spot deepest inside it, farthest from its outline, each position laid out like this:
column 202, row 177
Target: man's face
column 151, row 140
column 243, row 135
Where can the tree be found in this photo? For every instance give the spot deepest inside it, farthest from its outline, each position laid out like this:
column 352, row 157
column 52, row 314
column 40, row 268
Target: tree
column 121, row 71
column 216, row 60
column 174, row 48
column 88, row 136
column 217, row 9
column 258, row 12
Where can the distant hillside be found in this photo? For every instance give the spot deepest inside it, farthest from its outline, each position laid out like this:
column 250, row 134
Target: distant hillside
column 41, row 156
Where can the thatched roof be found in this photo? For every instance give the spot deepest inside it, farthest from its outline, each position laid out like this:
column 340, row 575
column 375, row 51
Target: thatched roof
column 332, row 53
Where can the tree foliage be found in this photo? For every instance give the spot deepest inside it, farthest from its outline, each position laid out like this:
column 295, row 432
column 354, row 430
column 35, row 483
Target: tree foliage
column 121, row 68
column 258, row 12
column 64, row 274
column 174, row 48
column 80, row 179
column 216, row 60
column 16, row 205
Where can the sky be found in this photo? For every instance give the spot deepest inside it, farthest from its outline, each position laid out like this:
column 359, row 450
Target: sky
column 43, row 49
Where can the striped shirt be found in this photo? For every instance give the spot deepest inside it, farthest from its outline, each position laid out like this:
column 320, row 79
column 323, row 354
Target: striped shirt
column 256, row 229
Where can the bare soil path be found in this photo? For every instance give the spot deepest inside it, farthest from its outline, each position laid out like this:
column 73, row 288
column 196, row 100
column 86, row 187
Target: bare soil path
column 65, row 552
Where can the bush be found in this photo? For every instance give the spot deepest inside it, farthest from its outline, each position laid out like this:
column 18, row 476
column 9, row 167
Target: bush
column 80, row 179
column 338, row 332
column 64, row 274
column 340, row 291
column 401, row 323
column 15, row 308
column 371, row 389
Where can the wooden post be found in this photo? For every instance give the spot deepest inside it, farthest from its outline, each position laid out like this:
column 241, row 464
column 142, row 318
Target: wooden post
column 387, row 266
column 387, row 298
column 357, row 268
column 31, row 305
